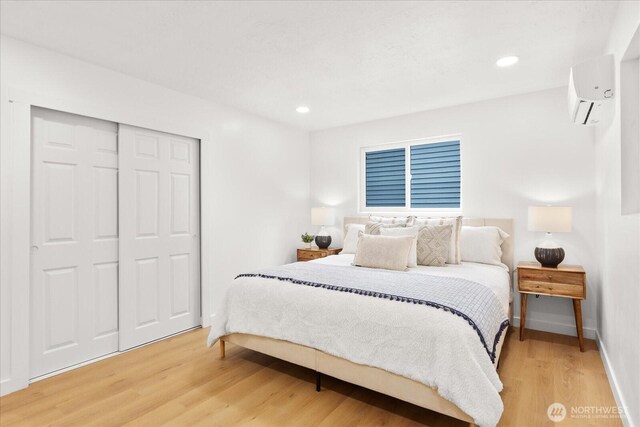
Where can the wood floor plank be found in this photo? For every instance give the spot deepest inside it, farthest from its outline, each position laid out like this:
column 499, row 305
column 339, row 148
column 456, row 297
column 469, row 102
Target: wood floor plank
column 181, row 382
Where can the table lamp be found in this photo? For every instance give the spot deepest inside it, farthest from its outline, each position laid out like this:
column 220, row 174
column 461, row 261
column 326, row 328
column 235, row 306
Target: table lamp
column 550, row 219
column 322, row 217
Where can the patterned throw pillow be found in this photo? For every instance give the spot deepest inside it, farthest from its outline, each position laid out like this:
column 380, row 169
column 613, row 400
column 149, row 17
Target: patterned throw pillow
column 402, row 220
column 454, row 244
column 433, row 244
column 374, row 227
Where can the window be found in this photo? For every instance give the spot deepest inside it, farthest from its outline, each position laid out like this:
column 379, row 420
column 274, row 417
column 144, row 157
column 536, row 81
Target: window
column 385, row 179
column 415, row 175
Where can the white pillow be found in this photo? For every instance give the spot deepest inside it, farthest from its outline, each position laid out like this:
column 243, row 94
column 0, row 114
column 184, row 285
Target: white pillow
column 482, row 244
column 388, row 252
column 412, row 260
column 351, row 238
column 454, row 244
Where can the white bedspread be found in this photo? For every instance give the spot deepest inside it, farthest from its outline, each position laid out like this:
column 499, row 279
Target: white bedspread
column 425, row 344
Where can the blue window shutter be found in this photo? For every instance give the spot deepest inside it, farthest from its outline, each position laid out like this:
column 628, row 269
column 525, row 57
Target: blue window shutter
column 435, row 175
column 385, row 178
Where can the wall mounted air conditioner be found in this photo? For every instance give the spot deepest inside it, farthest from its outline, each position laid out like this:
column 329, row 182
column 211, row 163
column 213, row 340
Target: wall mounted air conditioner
column 591, row 87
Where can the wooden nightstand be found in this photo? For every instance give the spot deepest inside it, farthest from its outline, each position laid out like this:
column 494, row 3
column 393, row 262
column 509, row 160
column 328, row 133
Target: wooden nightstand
column 311, row 254
column 567, row 281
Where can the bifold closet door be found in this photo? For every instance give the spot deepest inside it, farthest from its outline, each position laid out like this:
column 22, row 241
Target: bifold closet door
column 159, row 235
column 74, row 235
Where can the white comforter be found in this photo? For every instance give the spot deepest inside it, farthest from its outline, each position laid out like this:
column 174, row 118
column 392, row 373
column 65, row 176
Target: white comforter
column 423, row 343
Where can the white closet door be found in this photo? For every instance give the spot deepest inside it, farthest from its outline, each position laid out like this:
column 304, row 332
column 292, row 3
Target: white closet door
column 74, row 232
column 159, row 235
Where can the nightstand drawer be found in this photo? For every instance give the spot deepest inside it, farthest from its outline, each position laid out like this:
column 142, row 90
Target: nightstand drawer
column 550, row 288
column 309, row 255
column 551, row 277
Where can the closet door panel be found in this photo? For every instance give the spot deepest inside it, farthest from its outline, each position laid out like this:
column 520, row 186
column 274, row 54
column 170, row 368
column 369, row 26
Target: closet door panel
column 106, row 299
column 159, row 235
column 74, row 240
column 60, row 288
column 147, row 203
column 180, row 280
column 105, row 195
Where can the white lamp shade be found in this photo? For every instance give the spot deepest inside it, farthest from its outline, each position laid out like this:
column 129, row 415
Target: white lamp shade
column 551, row 219
column 323, row 216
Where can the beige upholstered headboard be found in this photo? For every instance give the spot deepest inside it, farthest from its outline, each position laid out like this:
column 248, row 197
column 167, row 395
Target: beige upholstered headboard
column 506, row 224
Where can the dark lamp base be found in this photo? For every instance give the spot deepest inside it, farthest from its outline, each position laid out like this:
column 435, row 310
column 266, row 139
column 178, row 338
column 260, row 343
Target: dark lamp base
column 323, row 242
column 549, row 257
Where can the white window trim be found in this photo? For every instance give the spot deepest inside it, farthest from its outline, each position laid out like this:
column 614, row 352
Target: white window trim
column 363, row 209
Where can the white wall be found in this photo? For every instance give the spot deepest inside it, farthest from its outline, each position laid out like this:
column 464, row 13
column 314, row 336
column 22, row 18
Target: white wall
column 516, row 152
column 254, row 172
column 618, row 245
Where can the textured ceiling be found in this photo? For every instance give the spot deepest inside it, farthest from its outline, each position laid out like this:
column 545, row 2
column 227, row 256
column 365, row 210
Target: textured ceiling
column 348, row 61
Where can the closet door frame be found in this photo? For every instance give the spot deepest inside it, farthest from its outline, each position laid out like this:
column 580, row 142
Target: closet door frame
column 15, row 212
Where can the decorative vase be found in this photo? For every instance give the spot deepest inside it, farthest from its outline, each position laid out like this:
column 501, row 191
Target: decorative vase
column 549, row 257
column 323, row 242
column 310, row 243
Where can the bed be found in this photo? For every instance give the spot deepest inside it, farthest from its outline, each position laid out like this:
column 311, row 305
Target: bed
column 422, row 355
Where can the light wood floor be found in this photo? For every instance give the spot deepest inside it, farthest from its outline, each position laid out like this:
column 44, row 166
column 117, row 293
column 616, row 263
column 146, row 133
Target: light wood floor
column 179, row 382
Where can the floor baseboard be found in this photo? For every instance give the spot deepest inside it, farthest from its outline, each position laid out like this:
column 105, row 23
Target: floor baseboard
column 613, row 382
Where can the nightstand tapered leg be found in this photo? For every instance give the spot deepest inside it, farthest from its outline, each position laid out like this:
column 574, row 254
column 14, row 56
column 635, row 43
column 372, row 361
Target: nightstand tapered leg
column 523, row 314
column 577, row 311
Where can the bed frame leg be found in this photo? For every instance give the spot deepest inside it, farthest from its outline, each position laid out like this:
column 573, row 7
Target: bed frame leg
column 222, row 343
column 318, row 380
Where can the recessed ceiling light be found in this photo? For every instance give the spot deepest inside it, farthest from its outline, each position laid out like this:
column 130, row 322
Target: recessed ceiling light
column 303, row 109
column 507, row 61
